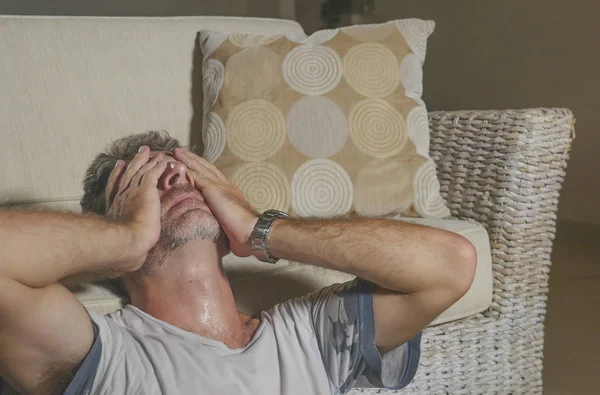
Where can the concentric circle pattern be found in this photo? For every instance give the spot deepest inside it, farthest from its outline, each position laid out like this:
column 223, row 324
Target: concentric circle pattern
column 417, row 124
column 213, row 74
column 419, row 101
column 317, row 127
column 255, row 130
column 371, row 69
column 296, row 37
column 320, row 37
column 312, row 69
column 210, row 41
column 264, row 186
column 428, row 201
column 377, row 128
column 253, row 73
column 416, row 32
column 411, row 76
column 321, row 188
column 369, row 33
column 376, row 194
column 214, row 136
column 246, row 40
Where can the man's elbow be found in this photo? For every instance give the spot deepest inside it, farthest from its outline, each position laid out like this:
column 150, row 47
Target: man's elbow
column 464, row 263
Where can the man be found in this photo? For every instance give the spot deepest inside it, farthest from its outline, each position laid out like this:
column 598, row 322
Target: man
column 161, row 219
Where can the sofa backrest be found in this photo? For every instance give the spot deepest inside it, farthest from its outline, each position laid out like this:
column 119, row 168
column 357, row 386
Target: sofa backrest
column 71, row 85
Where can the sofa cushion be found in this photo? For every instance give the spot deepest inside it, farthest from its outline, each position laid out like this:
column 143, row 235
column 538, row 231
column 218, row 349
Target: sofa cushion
column 323, row 126
column 258, row 286
column 71, row 85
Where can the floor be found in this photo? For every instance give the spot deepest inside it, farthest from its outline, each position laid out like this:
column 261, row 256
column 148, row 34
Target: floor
column 572, row 349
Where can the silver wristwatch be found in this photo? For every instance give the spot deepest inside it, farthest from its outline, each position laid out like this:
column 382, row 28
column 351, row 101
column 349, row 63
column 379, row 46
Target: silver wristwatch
column 261, row 232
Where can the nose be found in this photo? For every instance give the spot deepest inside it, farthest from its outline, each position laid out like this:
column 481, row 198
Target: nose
column 176, row 174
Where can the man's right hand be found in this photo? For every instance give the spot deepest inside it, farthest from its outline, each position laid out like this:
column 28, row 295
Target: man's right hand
column 132, row 198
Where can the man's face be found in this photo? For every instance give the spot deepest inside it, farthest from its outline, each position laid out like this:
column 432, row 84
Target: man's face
column 184, row 214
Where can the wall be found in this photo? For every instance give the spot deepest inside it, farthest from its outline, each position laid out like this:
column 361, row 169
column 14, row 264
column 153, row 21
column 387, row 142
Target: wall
column 519, row 54
column 264, row 8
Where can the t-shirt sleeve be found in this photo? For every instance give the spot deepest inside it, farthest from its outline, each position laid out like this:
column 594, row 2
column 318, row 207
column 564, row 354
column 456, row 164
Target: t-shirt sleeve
column 84, row 378
column 344, row 324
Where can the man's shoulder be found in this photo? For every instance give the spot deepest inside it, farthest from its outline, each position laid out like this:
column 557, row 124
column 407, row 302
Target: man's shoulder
column 119, row 323
column 303, row 308
column 113, row 316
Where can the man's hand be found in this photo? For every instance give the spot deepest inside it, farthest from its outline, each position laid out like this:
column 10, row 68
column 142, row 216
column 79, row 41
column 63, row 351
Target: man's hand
column 228, row 204
column 135, row 201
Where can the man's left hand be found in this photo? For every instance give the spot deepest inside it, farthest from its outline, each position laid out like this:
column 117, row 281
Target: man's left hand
column 226, row 201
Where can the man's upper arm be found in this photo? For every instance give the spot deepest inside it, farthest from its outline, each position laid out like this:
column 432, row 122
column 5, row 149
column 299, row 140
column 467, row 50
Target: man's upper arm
column 400, row 317
column 45, row 333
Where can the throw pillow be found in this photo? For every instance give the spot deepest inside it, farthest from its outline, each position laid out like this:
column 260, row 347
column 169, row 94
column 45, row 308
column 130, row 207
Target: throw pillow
column 328, row 125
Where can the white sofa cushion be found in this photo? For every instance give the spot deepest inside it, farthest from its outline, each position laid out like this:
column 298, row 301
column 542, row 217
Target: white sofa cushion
column 258, row 286
column 71, row 85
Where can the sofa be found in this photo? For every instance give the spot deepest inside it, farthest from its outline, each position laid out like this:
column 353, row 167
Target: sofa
column 71, row 85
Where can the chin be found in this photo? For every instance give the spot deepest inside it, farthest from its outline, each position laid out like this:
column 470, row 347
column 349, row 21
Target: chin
column 193, row 224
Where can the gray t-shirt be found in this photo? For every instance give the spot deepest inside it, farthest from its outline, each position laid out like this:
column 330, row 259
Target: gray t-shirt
column 319, row 344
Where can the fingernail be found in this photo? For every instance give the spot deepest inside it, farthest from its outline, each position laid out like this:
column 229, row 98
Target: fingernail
column 141, row 148
column 171, row 165
column 117, row 163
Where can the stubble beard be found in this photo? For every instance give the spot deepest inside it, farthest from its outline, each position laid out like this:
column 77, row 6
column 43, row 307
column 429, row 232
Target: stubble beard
column 192, row 225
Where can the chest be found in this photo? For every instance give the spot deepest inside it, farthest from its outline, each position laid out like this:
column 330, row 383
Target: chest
column 266, row 367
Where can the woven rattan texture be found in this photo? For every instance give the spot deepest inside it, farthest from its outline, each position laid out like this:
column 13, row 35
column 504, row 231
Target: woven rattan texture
column 504, row 170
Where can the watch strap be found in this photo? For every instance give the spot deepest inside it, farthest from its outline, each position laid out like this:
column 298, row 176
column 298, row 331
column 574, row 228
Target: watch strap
column 261, row 231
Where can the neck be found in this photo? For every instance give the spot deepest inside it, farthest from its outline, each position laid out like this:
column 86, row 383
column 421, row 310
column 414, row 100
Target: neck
column 190, row 291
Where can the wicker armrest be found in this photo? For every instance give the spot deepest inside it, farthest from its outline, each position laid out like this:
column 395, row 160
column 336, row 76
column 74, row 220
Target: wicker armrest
column 504, row 169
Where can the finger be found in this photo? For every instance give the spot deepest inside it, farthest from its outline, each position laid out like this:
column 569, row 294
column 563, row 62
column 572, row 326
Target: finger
column 123, row 200
column 209, row 166
column 191, row 160
column 112, row 179
column 137, row 179
column 220, row 175
column 151, row 177
column 201, row 180
column 198, row 164
column 115, row 208
column 216, row 171
column 141, row 158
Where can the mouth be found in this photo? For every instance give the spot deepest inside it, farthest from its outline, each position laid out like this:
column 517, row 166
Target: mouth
column 185, row 198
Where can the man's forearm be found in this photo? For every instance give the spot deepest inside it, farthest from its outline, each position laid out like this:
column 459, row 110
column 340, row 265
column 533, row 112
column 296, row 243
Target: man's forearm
column 41, row 247
column 395, row 255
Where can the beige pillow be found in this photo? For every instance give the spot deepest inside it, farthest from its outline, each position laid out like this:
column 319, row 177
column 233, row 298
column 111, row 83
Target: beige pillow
column 323, row 126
